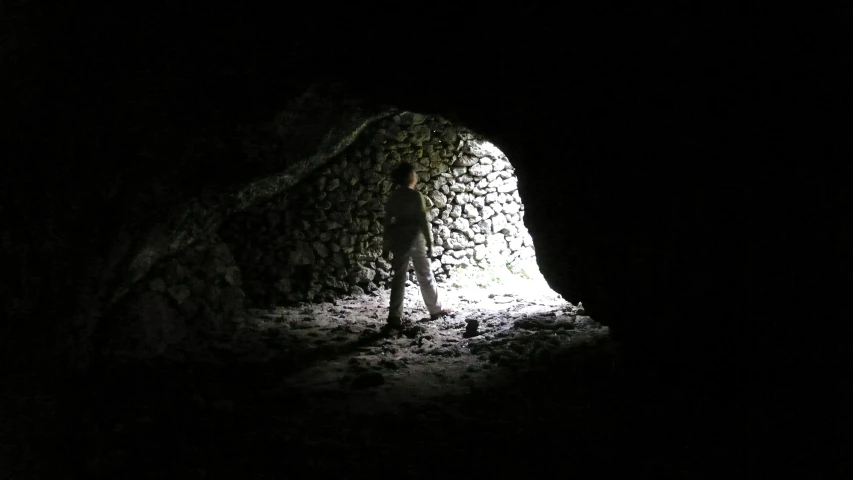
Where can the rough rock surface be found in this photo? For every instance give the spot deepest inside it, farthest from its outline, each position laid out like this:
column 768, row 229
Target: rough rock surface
column 266, row 158
column 179, row 305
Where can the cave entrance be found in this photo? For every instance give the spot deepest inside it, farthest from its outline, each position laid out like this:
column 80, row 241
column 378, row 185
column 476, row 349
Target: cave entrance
column 322, row 240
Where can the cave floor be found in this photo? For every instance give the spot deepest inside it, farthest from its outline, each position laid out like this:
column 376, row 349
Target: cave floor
column 321, row 390
column 344, row 346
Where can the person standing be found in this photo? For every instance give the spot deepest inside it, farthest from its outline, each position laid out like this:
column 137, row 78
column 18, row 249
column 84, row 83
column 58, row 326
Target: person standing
column 407, row 236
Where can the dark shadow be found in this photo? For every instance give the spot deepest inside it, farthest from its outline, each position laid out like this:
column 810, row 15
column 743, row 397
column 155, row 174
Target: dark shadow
column 573, row 411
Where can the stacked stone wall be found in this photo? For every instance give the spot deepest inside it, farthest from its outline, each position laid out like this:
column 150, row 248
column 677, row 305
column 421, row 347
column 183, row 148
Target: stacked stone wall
column 324, row 237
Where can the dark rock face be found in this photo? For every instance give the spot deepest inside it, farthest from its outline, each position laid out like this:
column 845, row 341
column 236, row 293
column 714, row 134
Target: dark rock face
column 191, row 296
column 693, row 206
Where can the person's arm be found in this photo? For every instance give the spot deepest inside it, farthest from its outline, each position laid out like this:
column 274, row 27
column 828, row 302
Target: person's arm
column 425, row 227
column 386, row 236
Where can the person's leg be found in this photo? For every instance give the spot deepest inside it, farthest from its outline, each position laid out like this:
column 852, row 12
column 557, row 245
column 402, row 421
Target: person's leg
column 429, row 289
column 399, row 268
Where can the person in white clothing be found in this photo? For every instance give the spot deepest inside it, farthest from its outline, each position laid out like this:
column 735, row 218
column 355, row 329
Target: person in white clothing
column 407, row 236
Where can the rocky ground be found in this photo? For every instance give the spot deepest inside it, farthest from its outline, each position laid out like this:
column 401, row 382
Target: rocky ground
column 346, row 346
column 322, row 390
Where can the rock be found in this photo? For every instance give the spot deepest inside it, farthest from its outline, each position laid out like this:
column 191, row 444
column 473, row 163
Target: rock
column 510, row 186
column 495, row 240
column 361, row 225
column 196, row 286
column 232, row 276
column 361, row 275
column 449, row 135
column 414, row 331
column 438, row 198
column 283, row 285
column 335, row 284
column 515, row 244
column 457, row 241
column 232, row 299
column 222, row 252
column 419, row 134
column 434, row 157
column 480, row 170
column 498, row 223
column 471, row 211
column 499, row 164
column 461, row 224
column 193, row 257
column 389, row 364
column 462, row 198
column 338, row 259
column 384, row 264
column 487, row 212
column 321, row 250
column 371, row 379
column 179, row 293
column 175, row 272
column 545, row 322
column 448, row 259
column 157, row 285
column 465, row 161
column 471, row 329
column 190, row 307
column 302, row 254
column 153, row 324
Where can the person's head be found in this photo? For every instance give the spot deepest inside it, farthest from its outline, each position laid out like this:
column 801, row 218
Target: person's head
column 404, row 175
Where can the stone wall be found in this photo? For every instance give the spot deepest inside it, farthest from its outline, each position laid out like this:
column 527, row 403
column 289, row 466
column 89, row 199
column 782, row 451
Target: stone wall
column 183, row 300
column 323, row 238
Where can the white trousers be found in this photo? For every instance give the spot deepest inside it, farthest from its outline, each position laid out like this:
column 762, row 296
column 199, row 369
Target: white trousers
column 400, row 266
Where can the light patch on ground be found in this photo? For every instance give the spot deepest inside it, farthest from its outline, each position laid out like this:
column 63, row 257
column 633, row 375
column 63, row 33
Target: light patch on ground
column 343, row 346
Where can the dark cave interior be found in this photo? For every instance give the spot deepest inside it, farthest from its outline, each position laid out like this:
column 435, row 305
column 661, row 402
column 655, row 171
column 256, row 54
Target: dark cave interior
column 687, row 183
